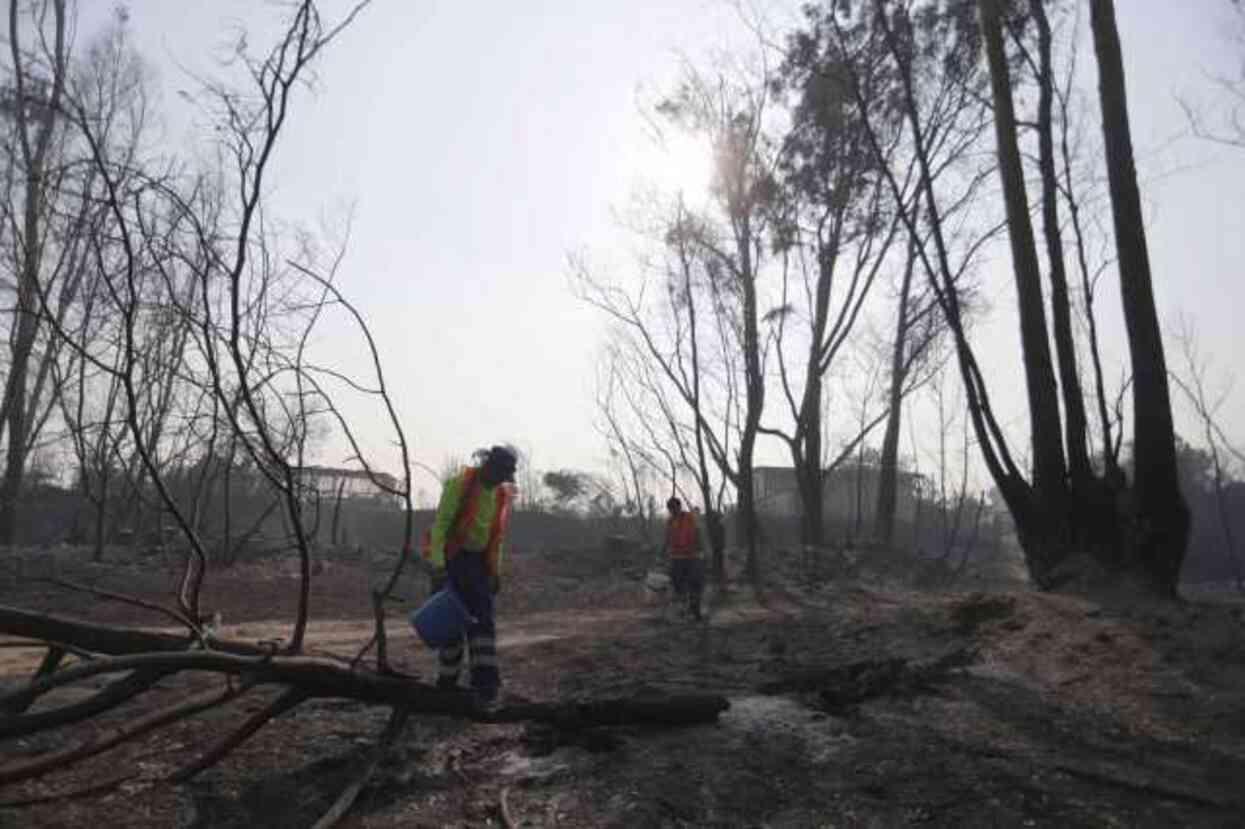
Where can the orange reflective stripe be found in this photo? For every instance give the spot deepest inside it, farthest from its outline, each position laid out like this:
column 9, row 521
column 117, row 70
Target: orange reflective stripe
column 495, row 531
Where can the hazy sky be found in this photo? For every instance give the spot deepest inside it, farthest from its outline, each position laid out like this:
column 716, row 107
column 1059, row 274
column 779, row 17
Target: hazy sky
column 480, row 142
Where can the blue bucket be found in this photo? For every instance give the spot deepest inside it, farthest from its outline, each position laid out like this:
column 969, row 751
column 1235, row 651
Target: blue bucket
column 442, row 620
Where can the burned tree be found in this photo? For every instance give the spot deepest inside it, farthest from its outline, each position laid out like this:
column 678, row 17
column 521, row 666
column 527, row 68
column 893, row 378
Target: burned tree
column 838, row 229
column 1159, row 517
column 34, row 100
column 1061, row 531
column 731, row 242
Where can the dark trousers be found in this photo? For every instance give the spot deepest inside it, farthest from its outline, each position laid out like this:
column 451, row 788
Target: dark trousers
column 687, row 577
column 467, row 572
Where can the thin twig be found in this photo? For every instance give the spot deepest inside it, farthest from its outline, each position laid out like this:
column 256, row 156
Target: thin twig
column 133, row 601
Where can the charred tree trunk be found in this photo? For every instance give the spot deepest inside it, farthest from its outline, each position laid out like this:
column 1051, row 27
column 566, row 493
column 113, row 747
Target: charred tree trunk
column 1048, row 458
column 1092, row 508
column 1160, row 516
column 754, row 396
column 1112, row 475
column 859, row 507
column 226, row 539
column 746, row 523
column 809, row 472
column 1061, row 311
column 101, row 515
column 888, row 462
column 1042, row 523
column 809, row 483
column 713, row 518
column 35, row 144
column 15, row 397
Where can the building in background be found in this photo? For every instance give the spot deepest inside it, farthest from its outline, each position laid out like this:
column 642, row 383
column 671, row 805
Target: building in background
column 352, row 484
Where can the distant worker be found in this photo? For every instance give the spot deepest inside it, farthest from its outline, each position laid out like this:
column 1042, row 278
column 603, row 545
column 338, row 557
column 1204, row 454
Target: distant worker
column 683, row 543
column 465, row 547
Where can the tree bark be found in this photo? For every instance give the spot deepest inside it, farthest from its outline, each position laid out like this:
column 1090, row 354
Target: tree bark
column 713, row 518
column 1049, row 468
column 812, row 477
column 1061, row 311
column 141, row 651
column 754, row 396
column 888, row 462
column 30, row 251
column 1160, row 516
column 106, row 639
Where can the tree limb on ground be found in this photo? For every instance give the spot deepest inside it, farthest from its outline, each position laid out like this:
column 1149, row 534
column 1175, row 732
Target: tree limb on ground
column 144, row 658
column 108, row 639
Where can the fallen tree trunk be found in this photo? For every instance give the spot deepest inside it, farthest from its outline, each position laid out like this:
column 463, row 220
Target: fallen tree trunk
column 317, row 677
column 143, row 658
column 108, row 639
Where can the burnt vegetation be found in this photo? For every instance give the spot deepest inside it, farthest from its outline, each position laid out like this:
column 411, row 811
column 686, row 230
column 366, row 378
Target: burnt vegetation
column 186, row 568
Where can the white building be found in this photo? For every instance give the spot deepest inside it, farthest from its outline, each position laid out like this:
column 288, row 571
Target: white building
column 328, row 481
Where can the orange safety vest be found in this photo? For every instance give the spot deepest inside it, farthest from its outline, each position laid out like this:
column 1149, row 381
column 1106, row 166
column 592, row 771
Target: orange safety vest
column 466, row 516
column 681, row 536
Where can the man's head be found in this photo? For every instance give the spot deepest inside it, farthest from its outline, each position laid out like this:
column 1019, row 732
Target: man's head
column 675, row 506
column 499, row 466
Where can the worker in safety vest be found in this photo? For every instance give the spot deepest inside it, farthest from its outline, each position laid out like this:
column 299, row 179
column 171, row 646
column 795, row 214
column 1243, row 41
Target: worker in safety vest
column 683, row 543
column 465, row 547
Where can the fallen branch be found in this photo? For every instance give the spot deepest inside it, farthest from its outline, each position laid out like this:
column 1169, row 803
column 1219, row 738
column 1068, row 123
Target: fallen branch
column 48, row 665
column 397, row 721
column 290, row 699
column 132, row 601
column 73, row 794
column 145, row 658
column 44, row 763
column 316, row 677
column 114, row 694
column 107, row 639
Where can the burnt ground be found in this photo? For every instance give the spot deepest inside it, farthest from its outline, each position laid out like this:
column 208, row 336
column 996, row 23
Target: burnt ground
column 1059, row 711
